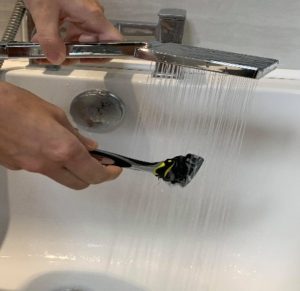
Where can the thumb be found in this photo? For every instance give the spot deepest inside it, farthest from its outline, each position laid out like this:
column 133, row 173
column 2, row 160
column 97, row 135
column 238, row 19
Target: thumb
column 90, row 144
column 46, row 19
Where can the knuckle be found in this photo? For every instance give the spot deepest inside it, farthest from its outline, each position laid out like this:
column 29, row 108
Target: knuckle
column 63, row 151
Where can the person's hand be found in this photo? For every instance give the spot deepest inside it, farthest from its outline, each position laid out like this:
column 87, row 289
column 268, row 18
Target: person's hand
column 85, row 23
column 36, row 136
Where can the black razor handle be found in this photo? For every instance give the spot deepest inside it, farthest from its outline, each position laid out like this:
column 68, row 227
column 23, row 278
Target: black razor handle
column 118, row 160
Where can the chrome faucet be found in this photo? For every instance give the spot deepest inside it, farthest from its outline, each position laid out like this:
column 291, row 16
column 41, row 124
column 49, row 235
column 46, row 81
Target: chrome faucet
column 169, row 28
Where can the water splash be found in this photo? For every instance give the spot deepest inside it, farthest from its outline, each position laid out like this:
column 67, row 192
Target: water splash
column 173, row 237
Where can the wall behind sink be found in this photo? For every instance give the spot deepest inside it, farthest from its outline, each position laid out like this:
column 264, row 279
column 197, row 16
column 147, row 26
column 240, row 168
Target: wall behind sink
column 268, row 28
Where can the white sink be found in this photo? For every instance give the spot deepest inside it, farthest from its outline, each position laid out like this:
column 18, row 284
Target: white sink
column 116, row 236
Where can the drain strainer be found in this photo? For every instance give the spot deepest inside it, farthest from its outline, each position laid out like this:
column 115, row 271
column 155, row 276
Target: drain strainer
column 97, row 110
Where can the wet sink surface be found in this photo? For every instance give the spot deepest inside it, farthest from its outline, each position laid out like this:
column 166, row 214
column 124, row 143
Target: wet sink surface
column 58, row 238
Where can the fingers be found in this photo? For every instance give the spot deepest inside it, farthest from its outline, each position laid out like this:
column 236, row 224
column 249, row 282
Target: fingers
column 85, row 18
column 84, row 166
column 77, row 31
column 45, row 15
column 73, row 33
column 87, row 142
column 69, row 163
column 79, row 161
column 66, row 178
column 69, row 153
column 109, row 35
column 90, row 25
column 42, row 140
column 106, row 173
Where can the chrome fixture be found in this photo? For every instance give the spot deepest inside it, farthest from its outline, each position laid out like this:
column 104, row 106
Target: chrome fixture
column 167, row 50
column 169, row 28
column 97, row 110
column 176, row 55
column 74, row 50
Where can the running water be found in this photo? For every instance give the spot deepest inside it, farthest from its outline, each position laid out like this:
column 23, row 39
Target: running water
column 171, row 237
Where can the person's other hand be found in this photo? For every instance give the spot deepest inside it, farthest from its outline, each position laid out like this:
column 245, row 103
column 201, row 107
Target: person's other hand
column 84, row 19
column 36, row 136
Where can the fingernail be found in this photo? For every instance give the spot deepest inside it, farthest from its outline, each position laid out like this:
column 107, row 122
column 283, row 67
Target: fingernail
column 107, row 161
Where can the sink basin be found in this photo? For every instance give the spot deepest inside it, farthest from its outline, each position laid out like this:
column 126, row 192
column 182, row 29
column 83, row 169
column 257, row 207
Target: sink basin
column 78, row 281
column 137, row 233
column 4, row 213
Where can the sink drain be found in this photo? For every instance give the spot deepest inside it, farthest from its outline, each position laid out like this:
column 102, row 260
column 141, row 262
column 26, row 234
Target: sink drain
column 97, row 110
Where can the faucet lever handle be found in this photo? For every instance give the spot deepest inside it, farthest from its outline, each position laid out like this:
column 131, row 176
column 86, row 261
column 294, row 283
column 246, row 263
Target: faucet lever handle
column 171, row 13
column 31, row 50
column 171, row 25
column 168, row 29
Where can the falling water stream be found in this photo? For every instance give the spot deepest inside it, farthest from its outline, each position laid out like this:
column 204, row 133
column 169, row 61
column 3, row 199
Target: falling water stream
column 174, row 237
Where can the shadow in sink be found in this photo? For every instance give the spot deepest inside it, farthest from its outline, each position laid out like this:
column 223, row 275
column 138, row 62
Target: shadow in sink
column 78, row 281
column 4, row 206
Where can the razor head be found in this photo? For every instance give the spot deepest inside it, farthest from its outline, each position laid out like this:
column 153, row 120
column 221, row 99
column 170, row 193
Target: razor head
column 207, row 59
column 180, row 169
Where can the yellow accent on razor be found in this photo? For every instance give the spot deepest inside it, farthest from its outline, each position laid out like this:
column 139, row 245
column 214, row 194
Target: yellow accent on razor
column 161, row 165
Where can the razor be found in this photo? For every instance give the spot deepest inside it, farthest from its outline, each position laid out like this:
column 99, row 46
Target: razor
column 170, row 53
column 179, row 170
